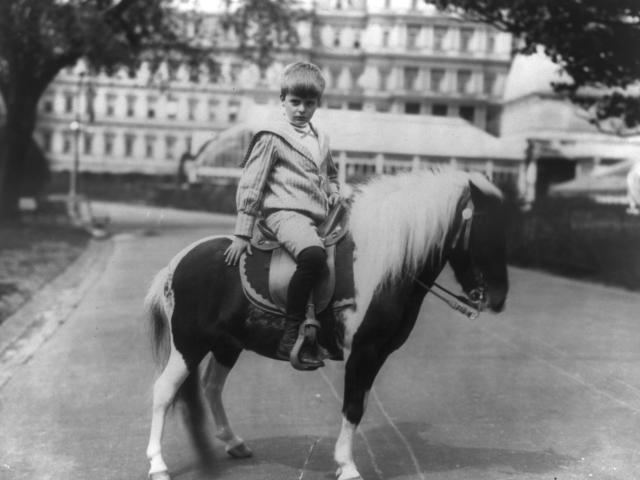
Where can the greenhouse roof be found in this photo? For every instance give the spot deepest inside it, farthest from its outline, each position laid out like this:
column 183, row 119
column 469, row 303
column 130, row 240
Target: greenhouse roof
column 391, row 134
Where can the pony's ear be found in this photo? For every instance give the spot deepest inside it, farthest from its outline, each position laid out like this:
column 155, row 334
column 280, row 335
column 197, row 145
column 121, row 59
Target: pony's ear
column 477, row 196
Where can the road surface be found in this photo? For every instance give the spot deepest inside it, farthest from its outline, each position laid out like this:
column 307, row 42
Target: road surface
column 549, row 389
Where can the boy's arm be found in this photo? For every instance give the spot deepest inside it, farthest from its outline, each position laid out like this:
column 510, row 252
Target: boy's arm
column 251, row 185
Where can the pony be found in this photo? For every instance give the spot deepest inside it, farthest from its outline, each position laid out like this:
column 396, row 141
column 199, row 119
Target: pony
column 405, row 228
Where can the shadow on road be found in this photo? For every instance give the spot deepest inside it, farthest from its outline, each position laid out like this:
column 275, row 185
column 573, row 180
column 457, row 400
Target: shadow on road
column 392, row 459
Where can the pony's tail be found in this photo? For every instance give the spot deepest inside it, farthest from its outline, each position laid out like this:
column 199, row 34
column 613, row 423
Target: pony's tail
column 158, row 318
column 188, row 399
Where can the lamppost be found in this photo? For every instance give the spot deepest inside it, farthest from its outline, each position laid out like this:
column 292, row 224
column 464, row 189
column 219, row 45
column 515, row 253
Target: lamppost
column 76, row 128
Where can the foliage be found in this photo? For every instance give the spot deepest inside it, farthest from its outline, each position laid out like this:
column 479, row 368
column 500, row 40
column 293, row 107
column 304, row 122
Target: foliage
column 38, row 38
column 594, row 41
column 263, row 27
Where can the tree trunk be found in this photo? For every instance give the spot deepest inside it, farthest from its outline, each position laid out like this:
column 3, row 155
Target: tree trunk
column 20, row 124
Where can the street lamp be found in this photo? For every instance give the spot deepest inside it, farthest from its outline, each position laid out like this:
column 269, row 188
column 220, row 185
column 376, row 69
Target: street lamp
column 76, row 128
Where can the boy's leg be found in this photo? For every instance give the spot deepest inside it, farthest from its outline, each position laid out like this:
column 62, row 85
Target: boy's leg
column 299, row 236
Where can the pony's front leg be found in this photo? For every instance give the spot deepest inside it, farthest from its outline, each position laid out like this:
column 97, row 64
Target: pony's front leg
column 362, row 367
column 214, row 377
column 164, row 391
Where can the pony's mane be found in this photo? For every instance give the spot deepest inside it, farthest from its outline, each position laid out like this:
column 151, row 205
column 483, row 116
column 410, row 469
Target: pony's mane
column 398, row 222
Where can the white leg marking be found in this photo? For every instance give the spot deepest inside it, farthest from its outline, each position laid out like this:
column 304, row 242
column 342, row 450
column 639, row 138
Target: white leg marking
column 343, row 454
column 214, row 379
column 336, row 395
column 164, row 390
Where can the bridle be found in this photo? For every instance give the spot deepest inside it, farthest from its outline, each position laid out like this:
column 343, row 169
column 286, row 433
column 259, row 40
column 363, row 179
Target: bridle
column 468, row 307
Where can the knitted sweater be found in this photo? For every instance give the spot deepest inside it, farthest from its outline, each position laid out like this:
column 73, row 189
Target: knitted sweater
column 281, row 173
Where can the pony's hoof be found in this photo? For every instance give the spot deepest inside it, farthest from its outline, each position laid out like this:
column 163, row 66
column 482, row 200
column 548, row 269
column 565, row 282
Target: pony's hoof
column 239, row 451
column 347, row 474
column 164, row 475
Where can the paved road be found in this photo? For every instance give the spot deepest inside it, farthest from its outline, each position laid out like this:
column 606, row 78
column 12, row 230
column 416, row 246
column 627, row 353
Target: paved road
column 550, row 389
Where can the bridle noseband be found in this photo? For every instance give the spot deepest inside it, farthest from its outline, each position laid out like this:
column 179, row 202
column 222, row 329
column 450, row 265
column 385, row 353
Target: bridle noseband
column 469, row 307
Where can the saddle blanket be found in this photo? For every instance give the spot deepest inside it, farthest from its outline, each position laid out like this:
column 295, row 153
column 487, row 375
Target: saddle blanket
column 266, row 274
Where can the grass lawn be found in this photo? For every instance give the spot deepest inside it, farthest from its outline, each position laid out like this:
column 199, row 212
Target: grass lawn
column 32, row 254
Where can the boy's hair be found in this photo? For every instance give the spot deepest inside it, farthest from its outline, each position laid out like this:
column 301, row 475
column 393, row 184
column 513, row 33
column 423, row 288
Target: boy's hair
column 303, row 79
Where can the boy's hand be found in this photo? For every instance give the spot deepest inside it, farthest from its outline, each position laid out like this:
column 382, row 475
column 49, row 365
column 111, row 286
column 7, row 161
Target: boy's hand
column 237, row 248
column 334, row 199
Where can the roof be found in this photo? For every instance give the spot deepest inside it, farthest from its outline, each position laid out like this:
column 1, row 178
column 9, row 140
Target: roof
column 389, row 133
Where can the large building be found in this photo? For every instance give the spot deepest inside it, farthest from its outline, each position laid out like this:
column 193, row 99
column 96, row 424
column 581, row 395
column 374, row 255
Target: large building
column 386, row 56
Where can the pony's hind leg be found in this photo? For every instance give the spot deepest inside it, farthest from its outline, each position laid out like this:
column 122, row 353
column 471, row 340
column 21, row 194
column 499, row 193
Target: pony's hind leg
column 164, row 392
column 214, row 378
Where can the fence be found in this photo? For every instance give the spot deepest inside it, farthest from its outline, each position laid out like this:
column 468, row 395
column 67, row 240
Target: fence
column 355, row 168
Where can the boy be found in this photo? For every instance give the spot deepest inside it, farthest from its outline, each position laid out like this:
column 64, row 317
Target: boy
column 289, row 177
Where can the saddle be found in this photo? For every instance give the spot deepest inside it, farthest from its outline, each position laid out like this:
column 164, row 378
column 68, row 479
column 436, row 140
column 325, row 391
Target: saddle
column 265, row 275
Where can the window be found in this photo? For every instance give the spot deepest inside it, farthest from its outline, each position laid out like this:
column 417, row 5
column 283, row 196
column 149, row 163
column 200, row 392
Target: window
column 188, row 140
column 467, row 113
column 387, row 4
column 66, row 142
column 111, row 105
column 466, row 35
column 437, row 79
column 151, row 107
column 464, row 81
column 47, row 105
column 412, row 108
column 108, row 143
column 354, row 105
column 234, row 107
column 131, row 105
column 47, row 140
column 68, row 102
column 170, row 147
column 383, row 79
column 193, row 107
column 129, row 143
column 355, row 75
column 87, row 142
column 357, row 41
column 172, row 70
column 172, row 107
column 194, row 73
column 439, row 34
column 383, row 107
column 235, row 71
column 334, row 105
column 214, row 104
column 410, row 77
column 385, row 37
column 491, row 42
column 336, row 37
column 413, row 32
column 149, row 146
column 439, row 110
column 489, row 83
column 335, row 77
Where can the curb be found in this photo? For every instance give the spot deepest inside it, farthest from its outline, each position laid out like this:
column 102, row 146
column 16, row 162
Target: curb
column 35, row 322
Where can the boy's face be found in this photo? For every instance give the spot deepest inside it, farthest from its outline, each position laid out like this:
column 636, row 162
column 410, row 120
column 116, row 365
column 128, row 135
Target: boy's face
column 299, row 110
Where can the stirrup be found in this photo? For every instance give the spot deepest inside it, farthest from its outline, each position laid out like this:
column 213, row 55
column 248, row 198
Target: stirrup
column 307, row 333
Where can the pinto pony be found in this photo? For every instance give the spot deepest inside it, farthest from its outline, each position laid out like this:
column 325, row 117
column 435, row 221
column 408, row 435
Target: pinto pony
column 405, row 229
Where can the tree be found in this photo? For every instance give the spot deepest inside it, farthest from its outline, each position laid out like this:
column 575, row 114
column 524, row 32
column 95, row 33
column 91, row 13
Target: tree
column 38, row 38
column 594, row 41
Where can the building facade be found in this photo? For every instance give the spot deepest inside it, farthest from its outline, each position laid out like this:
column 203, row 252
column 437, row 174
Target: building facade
column 395, row 56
